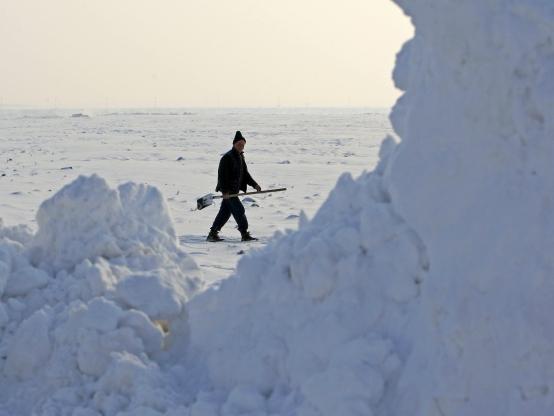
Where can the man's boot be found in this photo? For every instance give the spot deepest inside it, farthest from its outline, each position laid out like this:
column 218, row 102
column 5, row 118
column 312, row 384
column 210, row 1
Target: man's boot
column 247, row 237
column 213, row 237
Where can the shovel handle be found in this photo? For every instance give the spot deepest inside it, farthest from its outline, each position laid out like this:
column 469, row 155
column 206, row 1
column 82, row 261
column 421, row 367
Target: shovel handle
column 253, row 193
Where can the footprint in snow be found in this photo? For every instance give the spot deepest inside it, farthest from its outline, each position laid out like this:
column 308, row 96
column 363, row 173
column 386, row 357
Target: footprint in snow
column 250, row 202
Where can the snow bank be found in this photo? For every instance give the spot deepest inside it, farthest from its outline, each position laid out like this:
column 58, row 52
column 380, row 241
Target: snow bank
column 317, row 323
column 474, row 177
column 86, row 301
column 424, row 287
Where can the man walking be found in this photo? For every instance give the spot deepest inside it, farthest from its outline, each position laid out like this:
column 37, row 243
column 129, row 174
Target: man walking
column 232, row 176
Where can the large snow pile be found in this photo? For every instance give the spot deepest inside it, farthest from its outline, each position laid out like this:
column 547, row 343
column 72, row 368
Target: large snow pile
column 474, row 177
column 426, row 286
column 87, row 300
column 316, row 324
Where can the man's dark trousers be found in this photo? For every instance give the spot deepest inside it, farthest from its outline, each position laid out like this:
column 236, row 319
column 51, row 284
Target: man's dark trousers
column 231, row 206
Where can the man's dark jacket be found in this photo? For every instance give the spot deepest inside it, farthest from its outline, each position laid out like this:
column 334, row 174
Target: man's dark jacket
column 232, row 174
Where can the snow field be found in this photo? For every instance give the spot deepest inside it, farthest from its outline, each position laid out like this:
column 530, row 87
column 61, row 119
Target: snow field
column 178, row 152
column 421, row 288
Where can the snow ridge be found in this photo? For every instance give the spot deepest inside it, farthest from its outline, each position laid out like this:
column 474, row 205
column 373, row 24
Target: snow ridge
column 474, row 177
column 86, row 302
column 317, row 323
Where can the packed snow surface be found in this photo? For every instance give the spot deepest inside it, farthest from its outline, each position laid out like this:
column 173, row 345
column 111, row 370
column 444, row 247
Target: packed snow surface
column 304, row 150
column 420, row 288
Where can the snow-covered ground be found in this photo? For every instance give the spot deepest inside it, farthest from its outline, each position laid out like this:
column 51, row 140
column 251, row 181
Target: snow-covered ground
column 423, row 287
column 178, row 151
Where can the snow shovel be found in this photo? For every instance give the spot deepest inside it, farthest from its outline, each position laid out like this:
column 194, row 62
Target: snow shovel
column 208, row 200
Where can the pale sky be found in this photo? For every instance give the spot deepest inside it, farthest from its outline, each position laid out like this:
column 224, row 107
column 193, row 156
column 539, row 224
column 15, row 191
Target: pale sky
column 201, row 53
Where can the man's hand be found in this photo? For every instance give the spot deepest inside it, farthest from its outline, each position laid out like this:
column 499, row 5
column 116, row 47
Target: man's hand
column 258, row 188
column 226, row 195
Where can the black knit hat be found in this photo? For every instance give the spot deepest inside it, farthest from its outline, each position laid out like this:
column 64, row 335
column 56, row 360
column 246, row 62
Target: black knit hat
column 238, row 137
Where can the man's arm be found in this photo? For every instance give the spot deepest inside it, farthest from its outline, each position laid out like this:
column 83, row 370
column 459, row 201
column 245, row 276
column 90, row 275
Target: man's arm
column 250, row 181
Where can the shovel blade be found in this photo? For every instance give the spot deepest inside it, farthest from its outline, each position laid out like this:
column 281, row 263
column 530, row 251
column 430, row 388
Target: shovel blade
column 205, row 201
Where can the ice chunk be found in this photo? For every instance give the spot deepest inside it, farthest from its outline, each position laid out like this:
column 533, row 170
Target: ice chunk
column 30, row 347
column 22, row 281
column 139, row 290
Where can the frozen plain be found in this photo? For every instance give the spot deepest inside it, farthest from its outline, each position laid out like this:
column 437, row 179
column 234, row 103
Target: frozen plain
column 178, row 151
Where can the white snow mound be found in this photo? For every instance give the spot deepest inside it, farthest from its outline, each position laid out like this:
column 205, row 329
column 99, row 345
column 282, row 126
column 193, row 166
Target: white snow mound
column 440, row 259
column 317, row 323
column 86, row 301
column 474, row 177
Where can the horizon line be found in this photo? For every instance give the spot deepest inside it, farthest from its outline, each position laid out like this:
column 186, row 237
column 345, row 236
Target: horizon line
column 246, row 107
